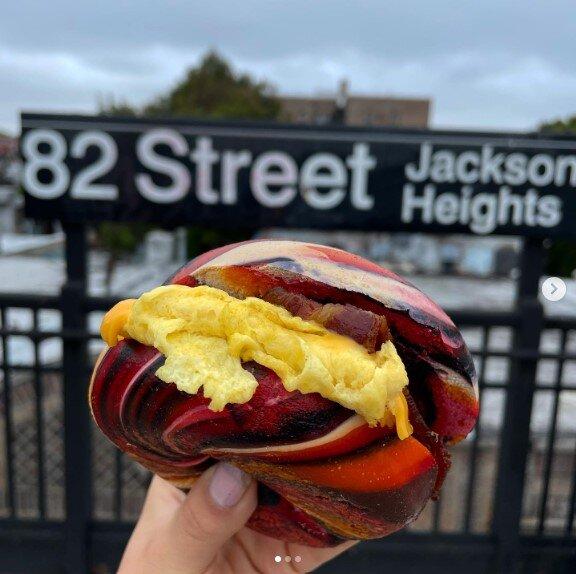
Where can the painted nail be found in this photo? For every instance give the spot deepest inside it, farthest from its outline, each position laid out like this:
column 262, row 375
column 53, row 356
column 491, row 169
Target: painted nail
column 227, row 485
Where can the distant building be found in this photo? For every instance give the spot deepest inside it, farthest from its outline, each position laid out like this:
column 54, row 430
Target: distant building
column 307, row 110
column 10, row 199
column 354, row 110
column 8, row 159
column 11, row 204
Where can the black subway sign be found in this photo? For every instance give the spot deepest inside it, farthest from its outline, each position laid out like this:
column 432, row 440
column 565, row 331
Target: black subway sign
column 217, row 174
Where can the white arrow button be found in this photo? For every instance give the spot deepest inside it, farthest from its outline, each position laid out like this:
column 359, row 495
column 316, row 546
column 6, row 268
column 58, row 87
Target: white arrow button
column 554, row 289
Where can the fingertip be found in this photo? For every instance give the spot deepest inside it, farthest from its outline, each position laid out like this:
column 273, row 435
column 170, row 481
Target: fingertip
column 227, row 485
column 219, row 504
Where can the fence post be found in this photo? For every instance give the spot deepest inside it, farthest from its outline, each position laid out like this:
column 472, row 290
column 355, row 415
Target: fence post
column 76, row 412
column 515, row 438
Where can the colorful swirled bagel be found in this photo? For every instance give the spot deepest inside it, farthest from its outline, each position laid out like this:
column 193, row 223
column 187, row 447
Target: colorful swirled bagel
column 334, row 382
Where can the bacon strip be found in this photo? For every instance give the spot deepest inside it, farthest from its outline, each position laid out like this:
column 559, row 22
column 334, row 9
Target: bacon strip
column 369, row 330
column 365, row 327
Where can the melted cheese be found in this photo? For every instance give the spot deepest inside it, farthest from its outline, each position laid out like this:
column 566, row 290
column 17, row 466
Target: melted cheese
column 205, row 335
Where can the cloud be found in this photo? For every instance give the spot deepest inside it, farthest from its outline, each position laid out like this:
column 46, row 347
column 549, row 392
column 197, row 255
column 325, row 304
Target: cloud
column 64, row 81
column 529, row 77
column 485, row 64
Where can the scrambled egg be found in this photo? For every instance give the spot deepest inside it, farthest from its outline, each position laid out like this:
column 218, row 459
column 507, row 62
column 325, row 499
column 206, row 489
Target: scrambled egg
column 205, row 335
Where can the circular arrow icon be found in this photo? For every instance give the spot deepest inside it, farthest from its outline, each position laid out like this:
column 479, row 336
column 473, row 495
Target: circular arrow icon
column 554, row 289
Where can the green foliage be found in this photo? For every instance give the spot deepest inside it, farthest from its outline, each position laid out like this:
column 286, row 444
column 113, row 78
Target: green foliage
column 202, row 239
column 113, row 108
column 562, row 253
column 560, row 127
column 118, row 238
column 214, row 90
column 210, row 90
column 110, row 106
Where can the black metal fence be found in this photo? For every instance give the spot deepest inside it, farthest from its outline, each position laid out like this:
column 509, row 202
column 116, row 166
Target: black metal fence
column 68, row 498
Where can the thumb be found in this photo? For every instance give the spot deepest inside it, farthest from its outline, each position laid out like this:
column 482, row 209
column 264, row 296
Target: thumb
column 217, row 506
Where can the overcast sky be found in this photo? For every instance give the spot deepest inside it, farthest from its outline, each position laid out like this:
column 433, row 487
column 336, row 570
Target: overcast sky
column 485, row 63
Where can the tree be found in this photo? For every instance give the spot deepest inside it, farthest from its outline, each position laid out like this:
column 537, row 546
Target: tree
column 212, row 89
column 119, row 239
column 562, row 252
column 111, row 107
column 560, row 127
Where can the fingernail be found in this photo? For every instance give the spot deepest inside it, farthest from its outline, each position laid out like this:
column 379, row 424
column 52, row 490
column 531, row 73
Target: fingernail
column 227, row 485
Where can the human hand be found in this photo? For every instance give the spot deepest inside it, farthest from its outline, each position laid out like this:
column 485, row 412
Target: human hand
column 203, row 532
